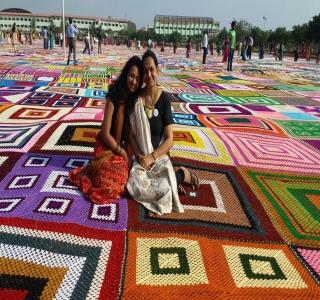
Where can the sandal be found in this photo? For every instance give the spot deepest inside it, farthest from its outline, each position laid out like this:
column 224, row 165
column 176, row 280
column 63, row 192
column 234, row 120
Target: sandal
column 195, row 183
column 194, row 180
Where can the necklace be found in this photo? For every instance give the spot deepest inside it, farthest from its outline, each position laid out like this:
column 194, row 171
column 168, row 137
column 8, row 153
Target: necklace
column 150, row 111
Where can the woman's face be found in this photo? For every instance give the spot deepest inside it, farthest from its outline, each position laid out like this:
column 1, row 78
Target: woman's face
column 150, row 72
column 133, row 79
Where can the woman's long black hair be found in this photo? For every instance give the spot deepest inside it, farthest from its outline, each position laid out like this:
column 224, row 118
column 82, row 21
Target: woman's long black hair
column 119, row 90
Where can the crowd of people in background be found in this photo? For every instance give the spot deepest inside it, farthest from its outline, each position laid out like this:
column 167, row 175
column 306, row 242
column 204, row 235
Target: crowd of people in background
column 98, row 38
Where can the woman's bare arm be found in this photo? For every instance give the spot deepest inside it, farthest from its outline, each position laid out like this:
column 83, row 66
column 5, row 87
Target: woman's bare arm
column 148, row 160
column 107, row 138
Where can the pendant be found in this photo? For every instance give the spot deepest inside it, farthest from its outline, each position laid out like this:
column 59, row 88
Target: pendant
column 149, row 112
column 155, row 112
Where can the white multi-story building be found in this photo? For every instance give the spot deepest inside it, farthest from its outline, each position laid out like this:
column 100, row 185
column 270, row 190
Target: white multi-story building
column 187, row 26
column 23, row 18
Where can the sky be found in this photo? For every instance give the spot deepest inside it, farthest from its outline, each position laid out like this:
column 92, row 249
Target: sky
column 279, row 13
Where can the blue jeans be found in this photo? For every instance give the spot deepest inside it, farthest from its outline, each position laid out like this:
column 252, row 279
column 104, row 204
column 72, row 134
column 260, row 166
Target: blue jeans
column 230, row 59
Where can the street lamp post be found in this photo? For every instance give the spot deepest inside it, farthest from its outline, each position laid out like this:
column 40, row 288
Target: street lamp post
column 264, row 23
column 63, row 30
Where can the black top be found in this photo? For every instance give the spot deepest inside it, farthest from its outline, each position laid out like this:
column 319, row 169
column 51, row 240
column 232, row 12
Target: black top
column 164, row 118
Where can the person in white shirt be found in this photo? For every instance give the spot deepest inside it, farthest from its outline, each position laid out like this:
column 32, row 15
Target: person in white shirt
column 205, row 47
column 250, row 46
column 72, row 32
column 86, row 41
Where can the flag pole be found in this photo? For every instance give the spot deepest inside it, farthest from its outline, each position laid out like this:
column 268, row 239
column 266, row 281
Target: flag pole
column 63, row 30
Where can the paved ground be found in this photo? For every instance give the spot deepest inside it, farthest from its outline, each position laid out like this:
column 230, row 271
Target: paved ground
column 252, row 136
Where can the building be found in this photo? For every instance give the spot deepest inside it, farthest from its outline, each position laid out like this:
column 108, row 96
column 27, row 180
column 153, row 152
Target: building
column 23, row 18
column 187, row 26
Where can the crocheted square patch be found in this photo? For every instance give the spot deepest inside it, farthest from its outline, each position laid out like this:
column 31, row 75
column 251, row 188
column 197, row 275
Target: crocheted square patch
column 173, row 266
column 37, row 188
column 199, row 145
column 248, row 124
column 292, row 201
column 69, row 136
column 65, row 263
column 20, row 138
column 222, row 206
column 267, row 152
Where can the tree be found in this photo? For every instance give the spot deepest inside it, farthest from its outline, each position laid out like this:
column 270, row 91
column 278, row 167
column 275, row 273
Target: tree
column 175, row 37
column 243, row 29
column 52, row 28
column 280, row 35
column 221, row 36
column 33, row 25
column 197, row 39
column 141, row 35
column 259, row 36
column 109, row 32
column 313, row 32
column 92, row 28
column 132, row 28
column 299, row 33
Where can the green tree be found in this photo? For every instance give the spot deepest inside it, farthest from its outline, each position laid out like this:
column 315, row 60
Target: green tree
column 109, row 32
column 33, row 25
column 313, row 33
column 280, row 35
column 243, row 29
column 92, row 28
column 175, row 37
column 221, row 36
column 196, row 40
column 132, row 28
column 299, row 33
column 52, row 27
column 259, row 36
column 141, row 35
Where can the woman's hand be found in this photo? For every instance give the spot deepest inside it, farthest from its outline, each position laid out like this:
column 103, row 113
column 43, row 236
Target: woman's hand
column 146, row 161
column 124, row 154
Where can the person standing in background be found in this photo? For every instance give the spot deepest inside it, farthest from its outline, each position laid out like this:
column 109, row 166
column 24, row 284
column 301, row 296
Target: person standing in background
column 218, row 49
column 61, row 39
column 250, row 45
column 226, row 49
column 86, row 41
column 261, row 50
column 72, row 32
column 308, row 51
column 45, row 38
column 205, row 47
column 296, row 54
column 175, row 47
column 232, row 38
column 0, row 35
column 239, row 48
column 281, row 51
column 14, row 37
column 51, row 39
column 99, row 37
column 211, row 48
column 30, row 36
column 188, row 46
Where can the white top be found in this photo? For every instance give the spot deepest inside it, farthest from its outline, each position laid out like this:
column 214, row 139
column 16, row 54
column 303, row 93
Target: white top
column 250, row 41
column 205, row 41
